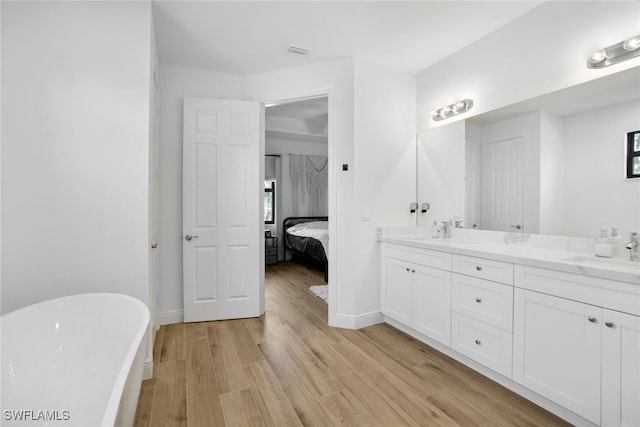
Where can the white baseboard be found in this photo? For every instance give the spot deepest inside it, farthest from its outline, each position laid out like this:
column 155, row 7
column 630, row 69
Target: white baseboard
column 347, row 321
column 147, row 372
column 170, row 317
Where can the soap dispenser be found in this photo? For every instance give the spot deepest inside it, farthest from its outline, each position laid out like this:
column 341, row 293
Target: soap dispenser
column 604, row 248
column 618, row 243
column 435, row 230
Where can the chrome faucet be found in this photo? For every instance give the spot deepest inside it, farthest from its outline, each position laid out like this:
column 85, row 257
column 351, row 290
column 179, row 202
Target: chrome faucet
column 445, row 228
column 634, row 255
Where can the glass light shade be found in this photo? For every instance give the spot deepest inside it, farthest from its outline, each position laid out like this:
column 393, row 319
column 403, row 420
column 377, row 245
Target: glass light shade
column 632, row 43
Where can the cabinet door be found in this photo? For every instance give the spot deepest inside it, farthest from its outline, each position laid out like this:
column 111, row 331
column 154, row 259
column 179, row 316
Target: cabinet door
column 557, row 351
column 396, row 290
column 620, row 369
column 431, row 309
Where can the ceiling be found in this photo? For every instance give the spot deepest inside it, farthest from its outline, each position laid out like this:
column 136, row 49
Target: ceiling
column 249, row 37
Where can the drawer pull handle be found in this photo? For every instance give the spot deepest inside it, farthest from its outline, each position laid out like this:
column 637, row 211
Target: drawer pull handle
column 592, row 319
column 609, row 324
column 478, row 268
column 478, row 342
column 478, row 300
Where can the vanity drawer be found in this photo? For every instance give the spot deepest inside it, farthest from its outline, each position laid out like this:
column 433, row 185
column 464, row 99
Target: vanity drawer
column 425, row 257
column 489, row 302
column 487, row 345
column 611, row 294
column 487, row 269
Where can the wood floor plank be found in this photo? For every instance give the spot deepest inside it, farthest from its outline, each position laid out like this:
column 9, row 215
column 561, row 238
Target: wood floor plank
column 195, row 331
column 374, row 400
column 170, row 398
column 345, row 410
column 374, row 374
column 227, row 365
column 203, row 398
column 173, row 340
column 246, row 347
column 419, row 386
column 145, row 404
column 240, row 409
column 274, row 406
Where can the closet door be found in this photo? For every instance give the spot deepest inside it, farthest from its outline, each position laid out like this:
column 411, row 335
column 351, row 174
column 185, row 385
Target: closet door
column 222, row 211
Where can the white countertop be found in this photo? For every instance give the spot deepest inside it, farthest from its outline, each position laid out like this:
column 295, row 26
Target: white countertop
column 555, row 256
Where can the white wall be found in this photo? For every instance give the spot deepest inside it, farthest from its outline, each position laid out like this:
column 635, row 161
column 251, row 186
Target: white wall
column 600, row 194
column 75, row 149
column 385, row 172
column 178, row 82
column 522, row 59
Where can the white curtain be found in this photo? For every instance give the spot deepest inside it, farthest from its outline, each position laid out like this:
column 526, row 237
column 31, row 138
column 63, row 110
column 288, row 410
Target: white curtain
column 309, row 182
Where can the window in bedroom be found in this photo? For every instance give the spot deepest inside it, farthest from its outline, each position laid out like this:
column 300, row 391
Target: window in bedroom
column 633, row 154
column 269, row 202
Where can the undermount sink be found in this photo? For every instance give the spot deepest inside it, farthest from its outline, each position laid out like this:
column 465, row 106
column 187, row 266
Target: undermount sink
column 603, row 262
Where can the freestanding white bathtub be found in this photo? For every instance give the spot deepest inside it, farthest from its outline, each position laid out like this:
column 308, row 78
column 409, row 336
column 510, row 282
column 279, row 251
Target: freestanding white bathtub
column 73, row 361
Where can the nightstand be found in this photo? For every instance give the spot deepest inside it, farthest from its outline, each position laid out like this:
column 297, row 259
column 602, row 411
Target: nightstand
column 270, row 250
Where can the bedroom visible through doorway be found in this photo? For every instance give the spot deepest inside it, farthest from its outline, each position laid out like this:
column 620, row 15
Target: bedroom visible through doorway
column 297, row 188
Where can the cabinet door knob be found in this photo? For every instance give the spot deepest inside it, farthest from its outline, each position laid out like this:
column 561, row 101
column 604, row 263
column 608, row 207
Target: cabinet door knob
column 478, row 342
column 609, row 324
column 478, row 268
column 592, row 319
column 478, row 300
column 412, row 270
column 408, row 269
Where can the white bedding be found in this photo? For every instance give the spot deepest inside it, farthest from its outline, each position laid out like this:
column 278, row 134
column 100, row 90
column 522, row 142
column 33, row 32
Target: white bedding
column 319, row 230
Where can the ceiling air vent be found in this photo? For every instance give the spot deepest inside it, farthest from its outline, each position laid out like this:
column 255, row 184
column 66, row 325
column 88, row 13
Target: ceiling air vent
column 298, row 50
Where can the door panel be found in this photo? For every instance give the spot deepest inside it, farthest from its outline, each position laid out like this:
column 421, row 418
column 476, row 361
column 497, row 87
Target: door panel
column 557, row 350
column 222, row 209
column 620, row 370
column 431, row 311
column 503, row 183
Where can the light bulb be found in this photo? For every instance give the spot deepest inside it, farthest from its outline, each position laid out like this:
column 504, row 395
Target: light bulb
column 460, row 105
column 632, row 43
column 598, row 57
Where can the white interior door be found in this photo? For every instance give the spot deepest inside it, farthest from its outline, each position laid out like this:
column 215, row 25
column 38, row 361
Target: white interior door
column 503, row 185
column 222, row 209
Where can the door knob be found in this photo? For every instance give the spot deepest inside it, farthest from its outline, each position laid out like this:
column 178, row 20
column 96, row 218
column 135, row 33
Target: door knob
column 189, row 237
column 517, row 227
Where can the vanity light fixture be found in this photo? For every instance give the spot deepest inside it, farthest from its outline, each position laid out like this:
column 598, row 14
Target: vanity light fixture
column 452, row 110
column 615, row 53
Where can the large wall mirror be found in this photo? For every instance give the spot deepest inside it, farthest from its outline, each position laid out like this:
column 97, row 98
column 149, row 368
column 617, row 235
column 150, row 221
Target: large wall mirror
column 550, row 165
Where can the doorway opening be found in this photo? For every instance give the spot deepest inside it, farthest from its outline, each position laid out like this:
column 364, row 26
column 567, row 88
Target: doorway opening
column 296, row 194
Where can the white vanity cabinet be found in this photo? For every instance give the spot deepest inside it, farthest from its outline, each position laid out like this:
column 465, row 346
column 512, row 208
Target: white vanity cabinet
column 566, row 340
column 577, row 349
column 416, row 289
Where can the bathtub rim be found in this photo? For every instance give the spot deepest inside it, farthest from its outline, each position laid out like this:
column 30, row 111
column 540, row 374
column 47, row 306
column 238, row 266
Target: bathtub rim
column 113, row 404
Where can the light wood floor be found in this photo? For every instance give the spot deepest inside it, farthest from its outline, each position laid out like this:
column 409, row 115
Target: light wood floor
column 288, row 368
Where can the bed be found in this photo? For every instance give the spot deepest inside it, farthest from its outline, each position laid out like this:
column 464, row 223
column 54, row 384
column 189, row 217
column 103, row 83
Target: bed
column 307, row 237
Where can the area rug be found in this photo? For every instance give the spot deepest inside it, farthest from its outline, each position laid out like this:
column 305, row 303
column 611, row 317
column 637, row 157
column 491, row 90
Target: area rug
column 320, row 291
